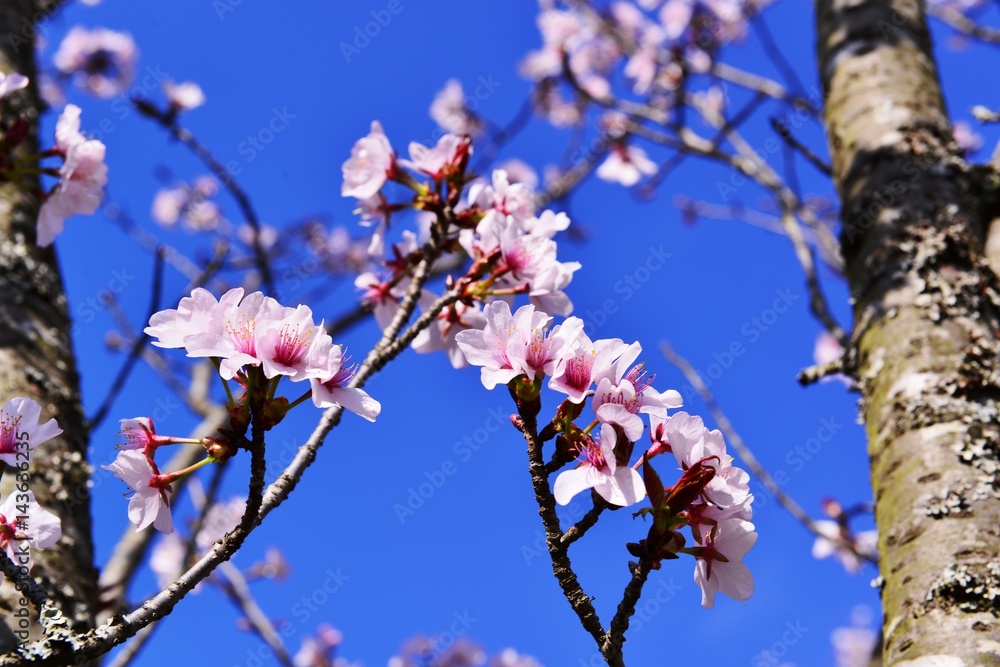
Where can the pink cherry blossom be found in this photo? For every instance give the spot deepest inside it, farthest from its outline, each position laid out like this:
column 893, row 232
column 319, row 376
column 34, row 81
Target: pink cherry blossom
column 234, row 336
column 379, row 295
column 335, row 391
column 82, row 177
column 865, row 542
column 731, row 540
column 184, row 96
column 434, row 161
column 101, row 61
column 138, row 433
column 19, row 425
column 25, row 526
column 626, row 165
column 692, row 443
column 196, row 314
column 622, row 395
column 443, row 333
column 450, row 111
column 150, row 504
column 619, row 485
column 295, row 346
column 318, row 650
column 519, row 171
column 11, row 82
column 368, row 168
column 574, row 376
column 501, row 198
column 511, row 658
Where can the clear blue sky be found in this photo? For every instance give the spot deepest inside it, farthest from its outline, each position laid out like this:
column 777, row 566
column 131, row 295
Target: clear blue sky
column 470, row 549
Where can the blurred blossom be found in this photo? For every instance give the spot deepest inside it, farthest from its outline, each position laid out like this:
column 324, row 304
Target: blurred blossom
column 626, row 165
column 428, row 652
column 190, row 204
column 511, row 658
column 100, row 61
column 183, row 96
column 318, row 650
column 268, row 235
column 451, row 112
column 853, row 646
column 521, row 172
column 967, row 139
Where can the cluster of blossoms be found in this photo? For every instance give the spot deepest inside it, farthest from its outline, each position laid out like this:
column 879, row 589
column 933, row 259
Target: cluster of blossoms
column 444, row 651
column 512, row 251
column 849, row 548
column 711, row 497
column 100, row 61
column 656, row 46
column 82, row 175
column 190, row 204
column 254, row 341
column 495, row 224
column 24, row 524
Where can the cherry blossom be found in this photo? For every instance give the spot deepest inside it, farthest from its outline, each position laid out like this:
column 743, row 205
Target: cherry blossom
column 622, row 395
column 626, row 165
column 183, row 96
column 150, row 502
column 82, row 177
column 443, row 333
column 692, row 443
column 619, row 485
column 138, row 433
column 25, row 525
column 368, row 168
column 865, row 542
column 196, row 314
column 19, row 425
column 730, row 540
column 101, row 61
column 451, row 112
column 574, row 375
column 495, row 347
column 234, row 337
column 294, row 346
column 318, row 650
column 434, row 162
column 335, row 392
column 511, row 658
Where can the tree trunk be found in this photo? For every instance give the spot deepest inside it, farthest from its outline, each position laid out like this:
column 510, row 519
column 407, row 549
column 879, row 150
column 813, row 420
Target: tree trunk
column 926, row 346
column 36, row 355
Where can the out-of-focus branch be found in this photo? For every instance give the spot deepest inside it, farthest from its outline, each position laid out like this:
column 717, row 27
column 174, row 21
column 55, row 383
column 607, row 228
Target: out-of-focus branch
column 962, row 23
column 183, row 135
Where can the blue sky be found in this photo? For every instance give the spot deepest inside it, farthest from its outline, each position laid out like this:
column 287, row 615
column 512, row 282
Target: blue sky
column 469, row 552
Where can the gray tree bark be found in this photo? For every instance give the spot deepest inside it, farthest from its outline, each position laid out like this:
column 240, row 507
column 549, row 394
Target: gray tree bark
column 36, row 353
column 926, row 346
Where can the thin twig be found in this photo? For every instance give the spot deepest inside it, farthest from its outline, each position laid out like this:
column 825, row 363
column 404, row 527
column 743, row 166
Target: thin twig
column 580, row 528
column 962, row 23
column 140, row 342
